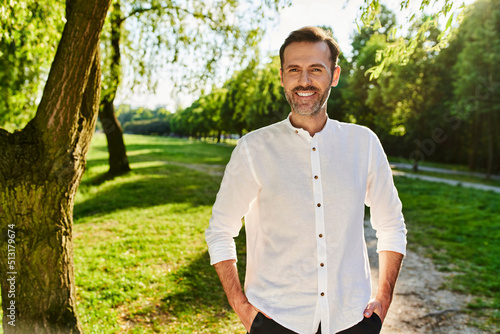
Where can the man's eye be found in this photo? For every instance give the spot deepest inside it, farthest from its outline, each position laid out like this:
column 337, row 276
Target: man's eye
column 294, row 70
column 316, row 70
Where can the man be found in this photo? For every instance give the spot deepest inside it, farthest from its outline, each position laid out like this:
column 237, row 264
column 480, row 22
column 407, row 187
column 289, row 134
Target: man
column 301, row 185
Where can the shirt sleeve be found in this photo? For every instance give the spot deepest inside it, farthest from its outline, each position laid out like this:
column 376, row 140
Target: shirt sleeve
column 238, row 189
column 382, row 197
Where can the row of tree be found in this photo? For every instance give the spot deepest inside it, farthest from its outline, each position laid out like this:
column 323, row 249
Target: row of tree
column 442, row 105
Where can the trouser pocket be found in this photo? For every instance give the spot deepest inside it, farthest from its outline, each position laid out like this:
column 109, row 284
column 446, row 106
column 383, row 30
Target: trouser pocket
column 371, row 325
column 263, row 325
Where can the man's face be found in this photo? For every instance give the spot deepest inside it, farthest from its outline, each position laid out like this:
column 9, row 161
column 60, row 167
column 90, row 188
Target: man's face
column 307, row 76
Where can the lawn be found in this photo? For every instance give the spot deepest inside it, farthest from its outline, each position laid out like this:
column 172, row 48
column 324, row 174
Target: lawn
column 459, row 228
column 141, row 263
column 141, row 260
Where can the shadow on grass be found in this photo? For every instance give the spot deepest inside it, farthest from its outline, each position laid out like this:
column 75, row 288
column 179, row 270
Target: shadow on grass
column 198, row 292
column 200, row 285
column 146, row 187
column 100, row 179
column 187, row 151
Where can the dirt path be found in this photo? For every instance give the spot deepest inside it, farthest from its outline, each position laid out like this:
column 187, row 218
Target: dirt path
column 448, row 181
column 420, row 304
column 399, row 165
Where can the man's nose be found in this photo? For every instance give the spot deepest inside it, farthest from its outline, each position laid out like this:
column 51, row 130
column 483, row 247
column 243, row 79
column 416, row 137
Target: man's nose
column 304, row 79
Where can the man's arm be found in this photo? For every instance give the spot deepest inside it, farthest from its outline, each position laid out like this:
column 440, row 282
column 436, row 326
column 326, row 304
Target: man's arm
column 228, row 275
column 389, row 266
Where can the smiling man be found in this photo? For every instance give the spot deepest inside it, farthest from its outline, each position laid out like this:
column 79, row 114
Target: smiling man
column 301, row 185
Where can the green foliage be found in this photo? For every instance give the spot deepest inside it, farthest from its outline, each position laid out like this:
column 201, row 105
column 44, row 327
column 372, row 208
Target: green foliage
column 29, row 32
column 478, row 63
column 476, row 90
column 424, row 109
column 419, row 110
column 252, row 98
column 153, row 126
column 399, row 50
column 126, row 113
column 185, row 40
column 406, row 95
column 359, row 87
column 267, row 103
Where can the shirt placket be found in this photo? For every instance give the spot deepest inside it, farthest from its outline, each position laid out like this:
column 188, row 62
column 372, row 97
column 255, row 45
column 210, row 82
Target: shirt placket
column 320, row 234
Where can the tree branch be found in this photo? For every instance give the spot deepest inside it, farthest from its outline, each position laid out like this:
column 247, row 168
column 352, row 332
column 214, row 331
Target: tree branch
column 63, row 93
column 138, row 11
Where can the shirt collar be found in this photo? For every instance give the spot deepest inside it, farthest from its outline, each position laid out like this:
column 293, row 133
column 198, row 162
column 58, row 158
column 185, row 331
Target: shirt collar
column 303, row 133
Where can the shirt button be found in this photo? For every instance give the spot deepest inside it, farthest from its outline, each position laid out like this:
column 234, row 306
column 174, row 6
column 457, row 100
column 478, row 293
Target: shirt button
column 322, row 264
column 322, row 294
column 296, row 131
column 319, row 204
column 321, row 235
column 316, row 177
column 314, row 148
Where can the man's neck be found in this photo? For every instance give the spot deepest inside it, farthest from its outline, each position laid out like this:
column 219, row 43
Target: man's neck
column 311, row 124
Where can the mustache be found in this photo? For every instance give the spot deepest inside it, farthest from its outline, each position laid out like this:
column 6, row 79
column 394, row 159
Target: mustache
column 307, row 88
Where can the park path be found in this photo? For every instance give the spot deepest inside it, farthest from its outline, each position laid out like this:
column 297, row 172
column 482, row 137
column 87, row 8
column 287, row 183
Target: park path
column 218, row 170
column 445, row 180
column 401, row 165
column 448, row 181
column 420, row 304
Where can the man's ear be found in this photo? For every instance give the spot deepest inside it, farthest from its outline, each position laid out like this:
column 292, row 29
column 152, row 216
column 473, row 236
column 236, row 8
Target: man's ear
column 336, row 76
column 281, row 77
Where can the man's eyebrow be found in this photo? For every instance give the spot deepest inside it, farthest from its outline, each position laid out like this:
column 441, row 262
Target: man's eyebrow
column 318, row 65
column 310, row 66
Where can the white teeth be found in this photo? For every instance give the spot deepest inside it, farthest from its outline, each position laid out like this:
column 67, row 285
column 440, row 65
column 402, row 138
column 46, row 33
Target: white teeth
column 305, row 94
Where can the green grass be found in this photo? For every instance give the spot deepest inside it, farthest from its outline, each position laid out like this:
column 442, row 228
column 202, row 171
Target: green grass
column 141, row 262
column 460, row 229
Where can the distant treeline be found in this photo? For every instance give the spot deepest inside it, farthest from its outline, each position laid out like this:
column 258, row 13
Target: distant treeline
column 440, row 105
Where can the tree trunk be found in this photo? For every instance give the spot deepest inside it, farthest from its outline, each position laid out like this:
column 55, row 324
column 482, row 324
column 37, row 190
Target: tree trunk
column 491, row 153
column 118, row 161
column 40, row 170
column 474, row 143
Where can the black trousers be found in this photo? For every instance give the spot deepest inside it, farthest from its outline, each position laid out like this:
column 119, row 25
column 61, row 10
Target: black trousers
column 264, row 325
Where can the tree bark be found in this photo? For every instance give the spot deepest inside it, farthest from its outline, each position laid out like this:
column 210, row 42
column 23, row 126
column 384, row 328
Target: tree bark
column 491, row 153
column 118, row 161
column 474, row 142
column 40, row 170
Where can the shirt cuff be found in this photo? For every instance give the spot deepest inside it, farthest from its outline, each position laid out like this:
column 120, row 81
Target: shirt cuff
column 222, row 251
column 393, row 243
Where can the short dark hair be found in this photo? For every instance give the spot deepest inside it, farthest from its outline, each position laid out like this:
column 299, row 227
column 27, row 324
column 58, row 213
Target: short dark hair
column 313, row 35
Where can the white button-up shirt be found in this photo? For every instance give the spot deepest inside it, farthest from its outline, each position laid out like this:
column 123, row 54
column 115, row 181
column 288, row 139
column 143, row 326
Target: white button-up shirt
column 303, row 201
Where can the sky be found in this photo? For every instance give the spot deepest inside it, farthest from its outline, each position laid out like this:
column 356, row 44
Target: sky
column 341, row 15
